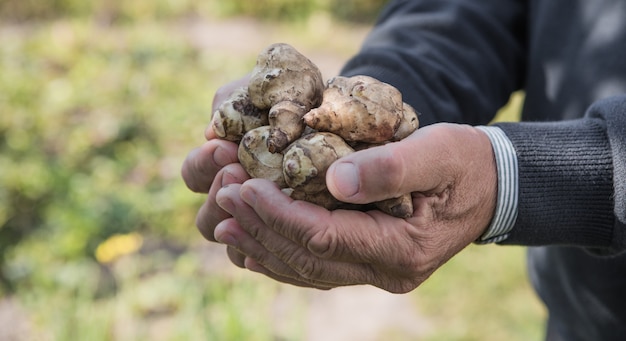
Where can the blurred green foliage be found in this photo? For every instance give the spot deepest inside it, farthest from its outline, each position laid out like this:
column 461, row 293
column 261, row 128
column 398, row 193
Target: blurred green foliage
column 100, row 101
column 87, row 117
column 120, row 10
column 95, row 122
column 85, row 131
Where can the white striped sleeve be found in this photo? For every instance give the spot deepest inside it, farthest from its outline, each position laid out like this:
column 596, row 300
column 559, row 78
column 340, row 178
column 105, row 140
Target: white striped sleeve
column 508, row 188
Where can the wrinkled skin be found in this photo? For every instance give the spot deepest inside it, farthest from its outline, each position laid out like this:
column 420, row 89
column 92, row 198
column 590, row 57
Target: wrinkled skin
column 449, row 169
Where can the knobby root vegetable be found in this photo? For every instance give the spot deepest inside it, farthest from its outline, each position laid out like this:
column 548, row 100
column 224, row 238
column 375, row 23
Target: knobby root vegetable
column 408, row 123
column 306, row 160
column 323, row 198
column 282, row 74
column 401, row 207
column 285, row 120
column 237, row 115
column 362, row 109
column 257, row 160
column 291, row 127
column 305, row 163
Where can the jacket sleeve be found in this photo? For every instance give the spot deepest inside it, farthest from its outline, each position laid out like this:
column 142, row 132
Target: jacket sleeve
column 453, row 60
column 572, row 180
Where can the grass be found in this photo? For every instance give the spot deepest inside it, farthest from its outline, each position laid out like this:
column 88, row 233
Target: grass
column 96, row 120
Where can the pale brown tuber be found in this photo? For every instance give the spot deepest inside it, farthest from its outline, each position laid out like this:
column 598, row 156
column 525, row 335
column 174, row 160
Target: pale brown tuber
column 282, row 74
column 323, row 198
column 285, row 120
column 257, row 160
column 306, row 160
column 401, row 207
column 362, row 109
column 237, row 115
column 291, row 127
column 305, row 163
column 408, row 124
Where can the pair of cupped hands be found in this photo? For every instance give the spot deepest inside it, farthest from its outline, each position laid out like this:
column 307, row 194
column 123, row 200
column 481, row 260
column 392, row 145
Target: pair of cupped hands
column 449, row 169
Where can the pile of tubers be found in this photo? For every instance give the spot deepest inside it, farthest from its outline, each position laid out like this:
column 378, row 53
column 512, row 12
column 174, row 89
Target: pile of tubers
column 291, row 127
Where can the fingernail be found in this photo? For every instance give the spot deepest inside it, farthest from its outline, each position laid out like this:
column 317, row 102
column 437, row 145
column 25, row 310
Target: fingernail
column 220, row 157
column 222, row 236
column 346, row 179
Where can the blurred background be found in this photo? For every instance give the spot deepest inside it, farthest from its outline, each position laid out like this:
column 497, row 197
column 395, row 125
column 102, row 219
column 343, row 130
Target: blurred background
column 100, row 101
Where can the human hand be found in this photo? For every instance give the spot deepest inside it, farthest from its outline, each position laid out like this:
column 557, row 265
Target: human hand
column 450, row 171
column 212, row 166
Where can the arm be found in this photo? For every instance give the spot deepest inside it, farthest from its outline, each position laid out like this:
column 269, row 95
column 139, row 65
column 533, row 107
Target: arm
column 453, row 60
column 458, row 61
column 572, row 179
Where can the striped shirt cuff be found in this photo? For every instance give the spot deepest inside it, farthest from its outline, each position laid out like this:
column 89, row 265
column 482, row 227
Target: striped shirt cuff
column 508, row 188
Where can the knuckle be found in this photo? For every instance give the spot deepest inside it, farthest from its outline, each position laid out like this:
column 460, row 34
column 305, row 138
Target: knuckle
column 308, row 267
column 322, row 243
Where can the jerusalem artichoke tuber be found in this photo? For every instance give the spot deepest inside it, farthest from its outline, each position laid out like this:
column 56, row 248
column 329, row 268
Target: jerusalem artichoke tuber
column 257, row 160
column 361, row 109
column 323, row 198
column 282, row 74
column 285, row 120
column 237, row 115
column 306, row 160
column 408, row 123
column 401, row 207
column 304, row 167
column 291, row 127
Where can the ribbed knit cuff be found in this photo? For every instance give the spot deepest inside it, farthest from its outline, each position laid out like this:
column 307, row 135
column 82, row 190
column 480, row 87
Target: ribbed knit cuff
column 506, row 204
column 565, row 183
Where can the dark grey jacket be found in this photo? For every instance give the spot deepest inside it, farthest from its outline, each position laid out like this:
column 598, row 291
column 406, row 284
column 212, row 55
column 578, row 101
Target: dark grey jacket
column 460, row 60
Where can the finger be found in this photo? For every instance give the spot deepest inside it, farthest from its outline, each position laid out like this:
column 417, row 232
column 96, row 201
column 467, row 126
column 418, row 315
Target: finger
column 247, row 250
column 236, row 257
column 203, row 163
column 348, row 247
column 253, row 265
column 423, row 162
column 210, row 214
column 367, row 247
column 280, row 255
column 327, row 234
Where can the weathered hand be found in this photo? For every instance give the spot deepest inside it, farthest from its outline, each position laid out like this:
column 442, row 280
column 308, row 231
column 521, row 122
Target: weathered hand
column 212, row 166
column 451, row 173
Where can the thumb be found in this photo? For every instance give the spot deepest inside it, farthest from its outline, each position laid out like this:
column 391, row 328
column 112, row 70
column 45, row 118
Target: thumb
column 425, row 162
